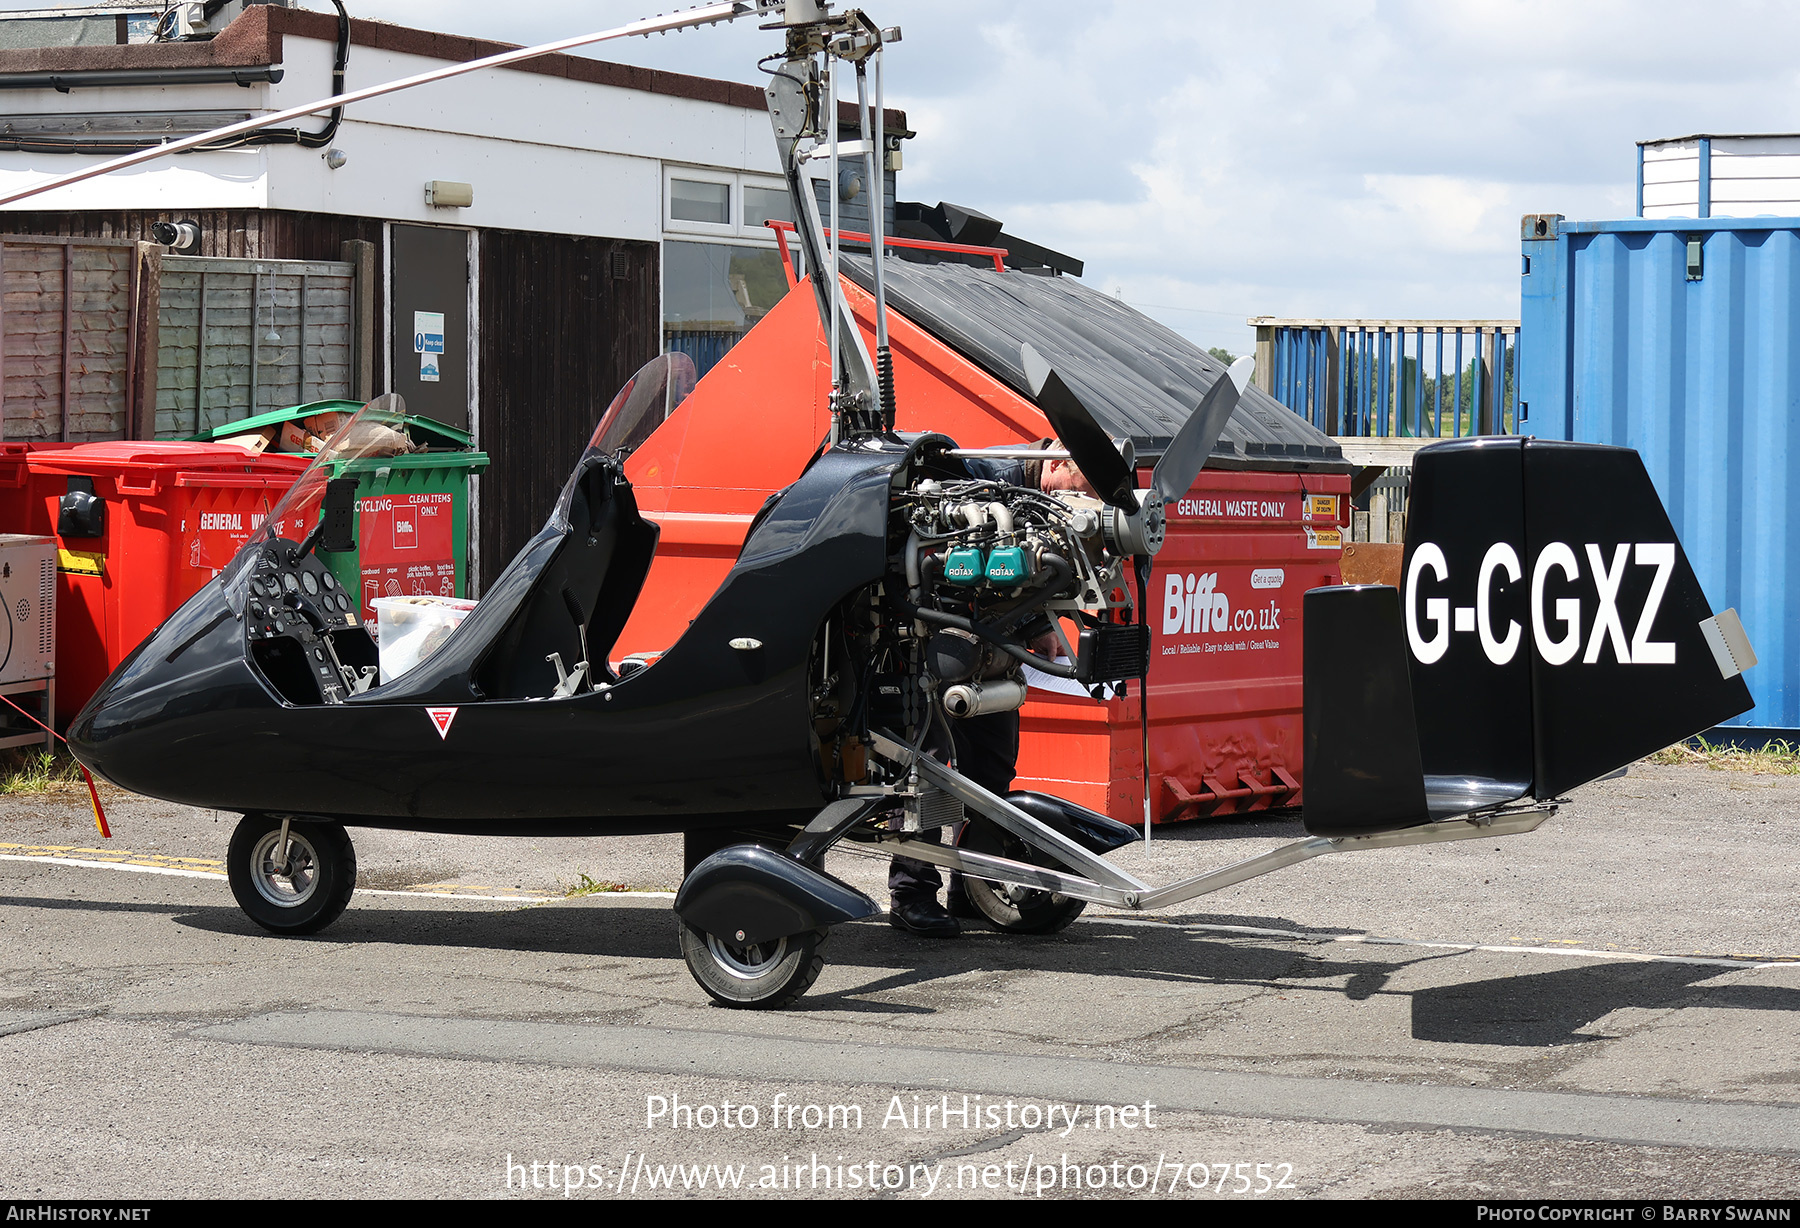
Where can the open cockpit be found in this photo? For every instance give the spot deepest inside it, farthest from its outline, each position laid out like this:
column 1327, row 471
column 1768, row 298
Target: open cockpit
column 544, row 629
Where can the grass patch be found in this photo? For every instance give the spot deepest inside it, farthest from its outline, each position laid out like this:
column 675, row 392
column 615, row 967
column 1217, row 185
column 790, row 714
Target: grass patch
column 1778, row 758
column 588, row 886
column 26, row 770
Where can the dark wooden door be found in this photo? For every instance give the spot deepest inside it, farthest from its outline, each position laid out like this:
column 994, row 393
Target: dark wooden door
column 564, row 323
column 431, row 279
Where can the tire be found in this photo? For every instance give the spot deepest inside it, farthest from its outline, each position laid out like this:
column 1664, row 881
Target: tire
column 1009, row 908
column 317, row 887
column 766, row 976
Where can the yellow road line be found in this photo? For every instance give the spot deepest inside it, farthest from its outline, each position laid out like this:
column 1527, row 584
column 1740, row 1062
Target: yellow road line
column 203, row 867
column 114, row 856
column 84, row 864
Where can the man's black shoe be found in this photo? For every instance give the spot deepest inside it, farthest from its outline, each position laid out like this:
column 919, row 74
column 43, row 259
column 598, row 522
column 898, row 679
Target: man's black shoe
column 927, row 918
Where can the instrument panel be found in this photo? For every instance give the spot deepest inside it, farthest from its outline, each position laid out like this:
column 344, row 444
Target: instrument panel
column 295, row 613
column 287, row 597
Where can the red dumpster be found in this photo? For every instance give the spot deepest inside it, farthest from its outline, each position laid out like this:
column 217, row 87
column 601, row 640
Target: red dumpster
column 1226, row 703
column 1226, row 692
column 172, row 514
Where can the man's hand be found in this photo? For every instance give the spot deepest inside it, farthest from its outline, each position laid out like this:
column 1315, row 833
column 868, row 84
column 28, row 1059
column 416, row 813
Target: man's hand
column 1048, row 646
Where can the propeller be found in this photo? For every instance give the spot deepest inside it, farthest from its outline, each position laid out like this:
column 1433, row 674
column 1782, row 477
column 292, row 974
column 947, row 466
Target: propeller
column 1089, row 446
column 1193, row 443
column 1137, row 525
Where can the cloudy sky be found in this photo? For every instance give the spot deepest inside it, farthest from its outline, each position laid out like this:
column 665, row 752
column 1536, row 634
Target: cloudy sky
column 1213, row 161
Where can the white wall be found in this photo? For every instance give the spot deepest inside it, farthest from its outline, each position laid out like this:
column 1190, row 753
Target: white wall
column 235, row 179
column 543, row 153
column 517, row 186
column 1751, row 176
column 226, row 180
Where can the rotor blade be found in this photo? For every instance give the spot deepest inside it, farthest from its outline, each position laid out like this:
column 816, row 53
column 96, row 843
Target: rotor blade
column 1089, row 447
column 1193, row 443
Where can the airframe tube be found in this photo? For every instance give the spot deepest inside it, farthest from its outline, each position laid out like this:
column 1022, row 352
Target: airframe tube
column 1003, row 870
column 1107, row 884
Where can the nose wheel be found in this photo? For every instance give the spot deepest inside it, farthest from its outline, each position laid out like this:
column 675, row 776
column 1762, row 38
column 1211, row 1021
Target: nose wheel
column 756, row 975
column 293, row 876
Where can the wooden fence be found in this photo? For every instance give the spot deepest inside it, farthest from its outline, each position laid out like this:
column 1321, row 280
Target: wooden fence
column 240, row 337
column 68, row 330
column 112, row 339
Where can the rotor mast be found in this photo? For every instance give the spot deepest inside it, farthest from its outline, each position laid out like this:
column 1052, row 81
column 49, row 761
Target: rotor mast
column 803, row 109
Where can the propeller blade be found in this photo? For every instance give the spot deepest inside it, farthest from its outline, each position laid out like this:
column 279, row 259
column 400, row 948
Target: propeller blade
column 1089, row 447
column 1193, row 443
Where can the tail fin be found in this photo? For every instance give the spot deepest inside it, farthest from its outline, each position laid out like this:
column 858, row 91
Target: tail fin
column 1620, row 664
column 1553, row 629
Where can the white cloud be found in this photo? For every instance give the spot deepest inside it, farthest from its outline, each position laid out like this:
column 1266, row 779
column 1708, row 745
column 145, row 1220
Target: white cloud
column 1446, row 213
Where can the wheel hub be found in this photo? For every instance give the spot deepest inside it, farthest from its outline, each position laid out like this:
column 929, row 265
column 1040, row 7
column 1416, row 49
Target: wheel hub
column 285, row 885
column 746, row 962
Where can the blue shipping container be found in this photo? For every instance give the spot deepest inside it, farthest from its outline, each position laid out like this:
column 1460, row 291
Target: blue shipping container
column 1680, row 337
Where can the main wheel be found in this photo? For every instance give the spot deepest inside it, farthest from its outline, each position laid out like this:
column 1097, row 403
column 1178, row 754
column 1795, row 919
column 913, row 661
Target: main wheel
column 759, row 976
column 1007, row 906
column 301, row 895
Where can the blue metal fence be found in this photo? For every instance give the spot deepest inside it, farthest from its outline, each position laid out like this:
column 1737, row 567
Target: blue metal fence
column 1410, row 378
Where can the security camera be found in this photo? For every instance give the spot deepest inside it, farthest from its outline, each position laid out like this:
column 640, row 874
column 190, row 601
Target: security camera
column 177, row 236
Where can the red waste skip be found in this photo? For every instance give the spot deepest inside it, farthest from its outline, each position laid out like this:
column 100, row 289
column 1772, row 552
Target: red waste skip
column 1225, row 674
column 1226, row 720
column 175, row 513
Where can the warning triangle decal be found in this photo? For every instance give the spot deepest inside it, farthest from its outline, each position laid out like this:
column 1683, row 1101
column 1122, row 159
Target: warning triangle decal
column 441, row 717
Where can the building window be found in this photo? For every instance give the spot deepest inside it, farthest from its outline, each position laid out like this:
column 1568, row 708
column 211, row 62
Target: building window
column 766, row 205
column 714, row 293
column 697, row 200
column 721, row 268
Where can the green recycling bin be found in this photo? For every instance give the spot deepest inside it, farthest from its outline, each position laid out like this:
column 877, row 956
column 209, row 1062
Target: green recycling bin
column 412, row 511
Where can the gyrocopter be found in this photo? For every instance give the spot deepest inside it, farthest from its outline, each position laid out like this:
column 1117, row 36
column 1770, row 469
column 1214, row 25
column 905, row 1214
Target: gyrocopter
column 1549, row 631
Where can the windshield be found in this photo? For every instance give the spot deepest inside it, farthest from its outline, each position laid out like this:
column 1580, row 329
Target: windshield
column 646, row 400
column 378, row 429
column 642, row 405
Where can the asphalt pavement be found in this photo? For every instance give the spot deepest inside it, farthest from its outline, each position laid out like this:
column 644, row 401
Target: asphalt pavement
column 1607, row 1007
